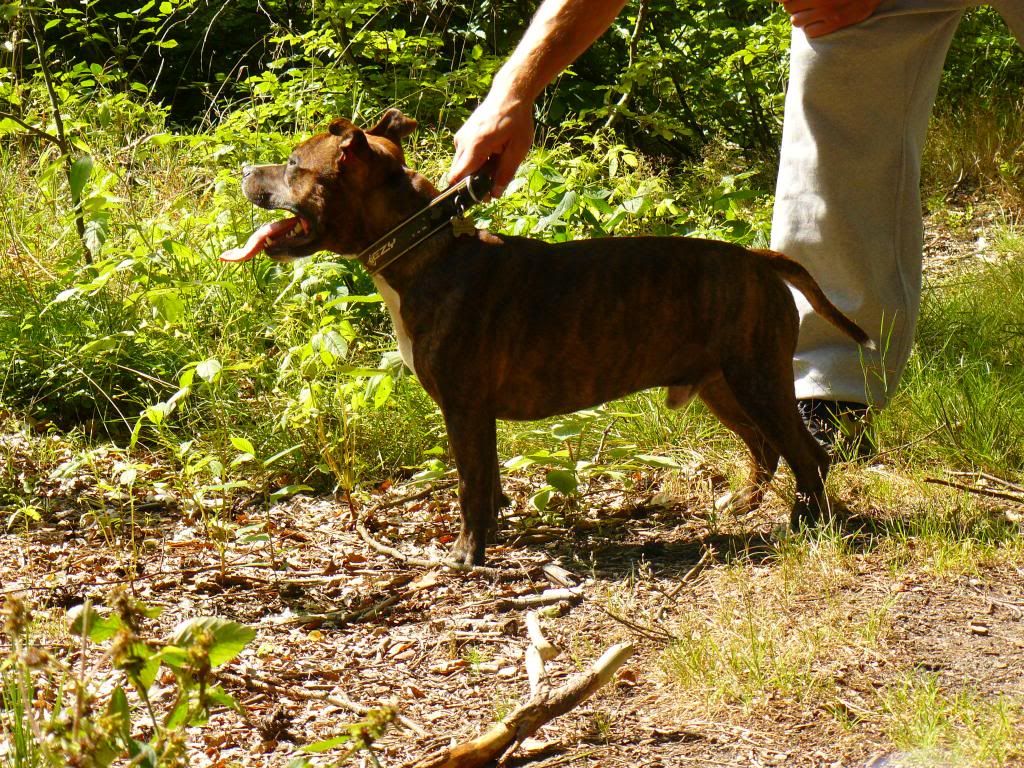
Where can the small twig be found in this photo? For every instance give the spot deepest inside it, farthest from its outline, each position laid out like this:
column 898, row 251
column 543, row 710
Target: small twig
column 651, row 633
column 421, row 494
column 321, row 581
column 693, row 573
column 32, row 129
column 343, row 618
column 974, row 489
column 372, row 611
column 604, row 440
column 1017, row 609
column 574, row 594
column 911, row 443
column 547, row 597
column 339, row 699
column 559, row 575
column 739, row 731
column 497, row 574
column 991, row 478
column 1001, row 481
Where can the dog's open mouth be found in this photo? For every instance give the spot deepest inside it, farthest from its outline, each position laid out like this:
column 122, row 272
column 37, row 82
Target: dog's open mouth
column 278, row 239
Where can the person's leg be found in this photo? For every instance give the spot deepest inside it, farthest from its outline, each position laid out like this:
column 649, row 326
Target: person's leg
column 848, row 201
column 1012, row 12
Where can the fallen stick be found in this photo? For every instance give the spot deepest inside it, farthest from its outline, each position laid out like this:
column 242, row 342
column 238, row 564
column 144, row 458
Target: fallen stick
column 339, row 699
column 528, row 718
column 1019, row 499
column 651, row 633
column 537, row 652
column 398, row 501
column 991, row 478
column 497, row 574
column 537, row 640
column 547, row 597
column 692, row 574
column 344, row 618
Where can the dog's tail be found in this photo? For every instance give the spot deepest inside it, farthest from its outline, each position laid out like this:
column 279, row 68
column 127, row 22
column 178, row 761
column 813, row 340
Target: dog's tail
column 801, row 279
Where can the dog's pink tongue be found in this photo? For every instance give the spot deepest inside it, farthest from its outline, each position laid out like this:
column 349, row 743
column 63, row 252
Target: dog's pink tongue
column 258, row 240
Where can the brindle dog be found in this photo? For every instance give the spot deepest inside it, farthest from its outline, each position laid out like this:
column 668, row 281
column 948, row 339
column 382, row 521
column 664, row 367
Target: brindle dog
column 500, row 327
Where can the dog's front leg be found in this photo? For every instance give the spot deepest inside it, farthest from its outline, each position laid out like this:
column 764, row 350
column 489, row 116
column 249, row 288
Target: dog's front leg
column 471, row 435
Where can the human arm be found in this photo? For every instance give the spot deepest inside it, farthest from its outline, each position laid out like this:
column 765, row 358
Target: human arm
column 502, row 125
column 820, row 17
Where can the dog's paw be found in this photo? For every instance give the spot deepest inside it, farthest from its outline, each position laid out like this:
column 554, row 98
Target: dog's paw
column 467, row 550
column 741, row 501
column 810, row 511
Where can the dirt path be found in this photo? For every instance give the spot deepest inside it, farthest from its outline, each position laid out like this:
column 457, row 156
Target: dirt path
column 449, row 650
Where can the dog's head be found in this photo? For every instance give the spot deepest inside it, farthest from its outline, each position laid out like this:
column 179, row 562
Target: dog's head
column 345, row 187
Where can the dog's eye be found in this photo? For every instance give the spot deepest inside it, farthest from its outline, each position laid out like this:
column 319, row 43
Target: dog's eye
column 292, row 162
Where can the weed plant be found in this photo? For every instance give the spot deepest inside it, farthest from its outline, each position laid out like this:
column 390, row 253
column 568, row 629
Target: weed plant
column 774, row 632
column 157, row 344
column 964, row 383
column 935, row 725
column 976, row 150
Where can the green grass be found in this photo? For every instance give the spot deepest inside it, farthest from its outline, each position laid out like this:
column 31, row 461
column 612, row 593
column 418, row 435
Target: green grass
column 795, row 626
column 961, row 401
column 23, row 750
column 935, row 725
column 975, row 149
column 778, row 632
column 949, row 540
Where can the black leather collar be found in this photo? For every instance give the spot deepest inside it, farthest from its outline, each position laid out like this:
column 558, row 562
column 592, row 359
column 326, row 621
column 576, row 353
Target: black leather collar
column 426, row 223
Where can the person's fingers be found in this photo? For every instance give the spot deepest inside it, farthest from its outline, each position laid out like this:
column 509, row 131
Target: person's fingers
column 502, row 131
column 821, row 27
column 505, row 167
column 828, row 23
column 468, row 160
column 481, row 136
column 808, row 20
column 821, row 17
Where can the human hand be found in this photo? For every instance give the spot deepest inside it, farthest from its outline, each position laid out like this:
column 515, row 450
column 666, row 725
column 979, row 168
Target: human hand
column 820, row 17
column 500, row 127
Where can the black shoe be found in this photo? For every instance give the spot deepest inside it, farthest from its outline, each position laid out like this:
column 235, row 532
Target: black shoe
column 840, row 426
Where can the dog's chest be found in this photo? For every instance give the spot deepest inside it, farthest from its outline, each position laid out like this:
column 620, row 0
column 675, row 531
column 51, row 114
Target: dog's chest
column 394, row 305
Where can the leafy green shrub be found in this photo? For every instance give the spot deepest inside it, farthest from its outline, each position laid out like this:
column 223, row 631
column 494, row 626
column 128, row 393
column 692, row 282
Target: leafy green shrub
column 57, row 716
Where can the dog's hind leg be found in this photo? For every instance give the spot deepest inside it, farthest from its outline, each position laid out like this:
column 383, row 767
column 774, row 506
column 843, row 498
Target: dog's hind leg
column 764, row 459
column 771, row 407
column 471, row 436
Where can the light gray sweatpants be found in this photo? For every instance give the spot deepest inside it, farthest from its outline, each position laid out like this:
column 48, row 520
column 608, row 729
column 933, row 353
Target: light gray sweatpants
column 848, row 199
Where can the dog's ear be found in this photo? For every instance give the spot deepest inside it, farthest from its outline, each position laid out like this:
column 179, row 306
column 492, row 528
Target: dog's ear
column 394, row 126
column 353, row 140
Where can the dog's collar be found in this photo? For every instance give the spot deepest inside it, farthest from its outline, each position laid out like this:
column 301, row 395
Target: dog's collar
column 447, row 207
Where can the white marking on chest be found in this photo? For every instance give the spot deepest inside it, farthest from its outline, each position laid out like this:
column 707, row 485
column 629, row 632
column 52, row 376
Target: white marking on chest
column 394, row 305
